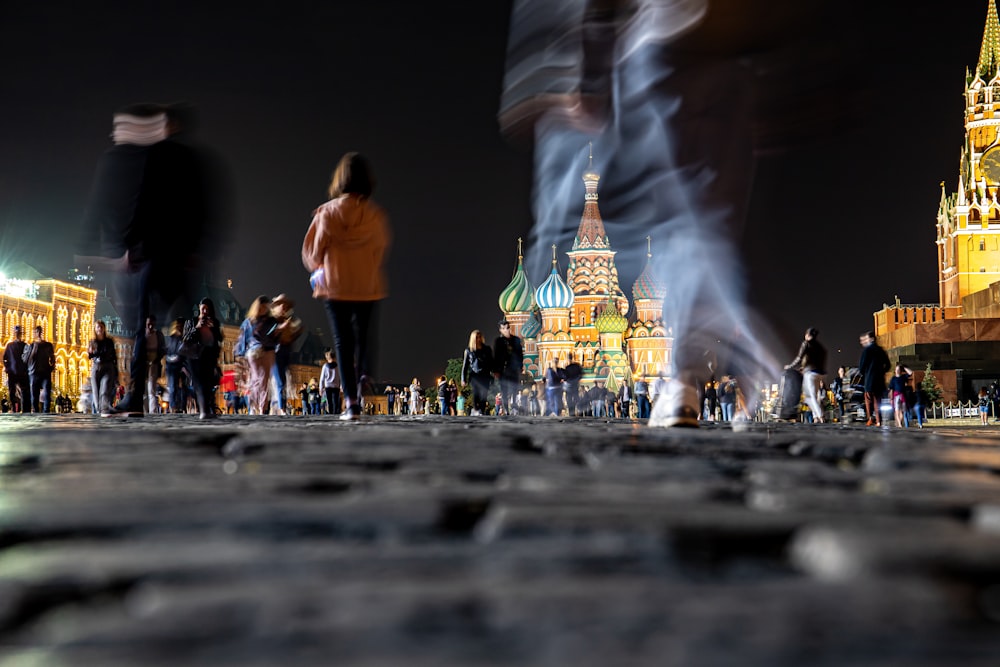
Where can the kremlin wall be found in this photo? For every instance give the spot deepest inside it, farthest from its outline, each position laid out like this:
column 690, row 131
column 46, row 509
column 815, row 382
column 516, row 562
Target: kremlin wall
column 960, row 335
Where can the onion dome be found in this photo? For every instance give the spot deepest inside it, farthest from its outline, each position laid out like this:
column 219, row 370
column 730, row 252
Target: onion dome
column 554, row 292
column 648, row 285
column 518, row 296
column 610, row 320
column 533, row 325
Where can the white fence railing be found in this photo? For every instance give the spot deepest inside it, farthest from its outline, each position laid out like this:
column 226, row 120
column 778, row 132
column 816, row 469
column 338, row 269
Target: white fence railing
column 957, row 410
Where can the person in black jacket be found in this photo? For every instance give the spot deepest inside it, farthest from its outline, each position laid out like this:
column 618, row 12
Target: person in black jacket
column 477, row 368
column 811, row 361
column 873, row 366
column 18, row 386
column 508, row 360
column 204, row 368
column 41, row 359
column 148, row 218
column 104, row 369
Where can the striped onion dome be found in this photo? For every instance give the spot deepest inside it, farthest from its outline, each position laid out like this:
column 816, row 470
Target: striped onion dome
column 533, row 325
column 554, row 292
column 518, row 296
column 648, row 285
column 610, row 320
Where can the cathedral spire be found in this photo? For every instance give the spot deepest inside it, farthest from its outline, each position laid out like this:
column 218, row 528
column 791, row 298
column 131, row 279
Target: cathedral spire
column 591, row 232
column 989, row 53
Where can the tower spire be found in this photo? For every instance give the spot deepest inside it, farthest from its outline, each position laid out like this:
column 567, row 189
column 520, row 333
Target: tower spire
column 989, row 53
column 555, row 262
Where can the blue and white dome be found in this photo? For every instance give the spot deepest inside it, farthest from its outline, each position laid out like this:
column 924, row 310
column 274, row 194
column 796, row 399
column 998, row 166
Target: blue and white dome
column 554, row 292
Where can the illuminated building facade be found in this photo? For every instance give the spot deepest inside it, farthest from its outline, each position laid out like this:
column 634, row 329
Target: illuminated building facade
column 587, row 315
column 65, row 311
column 960, row 335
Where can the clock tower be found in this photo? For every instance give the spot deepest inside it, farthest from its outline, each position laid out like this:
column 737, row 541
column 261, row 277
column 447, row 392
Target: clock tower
column 968, row 221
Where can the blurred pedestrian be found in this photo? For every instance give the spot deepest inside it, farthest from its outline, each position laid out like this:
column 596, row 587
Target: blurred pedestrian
column 155, row 348
column 41, row 361
column 329, row 382
column 148, row 220
column 257, row 342
column 508, row 363
column 873, row 366
column 984, row 406
column 103, row 369
column 204, row 369
column 553, row 389
column 173, row 364
column 290, row 326
column 811, row 361
column 727, row 397
column 571, row 374
column 347, row 243
column 477, row 369
column 642, row 402
column 415, row 397
column 18, row 382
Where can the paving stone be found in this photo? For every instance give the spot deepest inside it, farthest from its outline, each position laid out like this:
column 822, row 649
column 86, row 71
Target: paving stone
column 478, row 541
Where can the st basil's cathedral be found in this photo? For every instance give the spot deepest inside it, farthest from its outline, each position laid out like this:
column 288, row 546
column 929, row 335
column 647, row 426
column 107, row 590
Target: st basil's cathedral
column 587, row 315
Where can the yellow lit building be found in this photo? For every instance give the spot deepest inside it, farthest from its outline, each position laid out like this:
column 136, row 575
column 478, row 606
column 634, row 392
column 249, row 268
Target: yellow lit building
column 960, row 335
column 65, row 311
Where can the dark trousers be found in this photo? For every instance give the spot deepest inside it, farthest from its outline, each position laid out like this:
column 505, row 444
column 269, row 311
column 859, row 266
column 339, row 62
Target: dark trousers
column 351, row 323
column 572, row 397
column 480, row 388
column 204, row 379
column 333, row 401
column 509, row 390
column 19, row 393
column 175, row 387
column 41, row 388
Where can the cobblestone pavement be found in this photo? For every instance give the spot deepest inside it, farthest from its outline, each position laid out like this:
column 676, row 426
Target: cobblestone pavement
column 477, row 541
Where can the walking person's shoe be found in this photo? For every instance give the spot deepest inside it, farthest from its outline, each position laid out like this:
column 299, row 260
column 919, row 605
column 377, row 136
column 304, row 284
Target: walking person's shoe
column 352, row 412
column 677, row 408
column 128, row 406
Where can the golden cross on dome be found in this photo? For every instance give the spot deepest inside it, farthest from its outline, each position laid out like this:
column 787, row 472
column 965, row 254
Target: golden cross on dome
column 649, row 247
column 519, row 253
column 591, row 157
column 553, row 254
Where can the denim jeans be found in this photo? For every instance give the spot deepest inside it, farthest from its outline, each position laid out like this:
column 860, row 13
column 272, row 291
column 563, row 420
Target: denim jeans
column 553, row 400
column 642, row 406
column 727, row 411
column 41, row 388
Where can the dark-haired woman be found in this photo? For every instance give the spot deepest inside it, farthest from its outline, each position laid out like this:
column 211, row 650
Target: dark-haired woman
column 204, row 368
column 344, row 250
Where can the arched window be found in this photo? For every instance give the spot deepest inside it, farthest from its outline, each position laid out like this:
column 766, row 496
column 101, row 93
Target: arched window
column 61, row 316
column 86, row 327
column 60, row 381
column 73, row 331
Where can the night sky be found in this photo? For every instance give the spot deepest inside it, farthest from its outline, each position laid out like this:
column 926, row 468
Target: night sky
column 842, row 213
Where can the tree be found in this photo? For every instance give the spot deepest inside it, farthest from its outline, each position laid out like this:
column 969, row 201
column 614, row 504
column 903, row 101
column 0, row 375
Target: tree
column 930, row 385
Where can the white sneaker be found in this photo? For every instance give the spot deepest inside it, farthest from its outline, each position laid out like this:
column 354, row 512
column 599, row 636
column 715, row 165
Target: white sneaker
column 677, row 407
